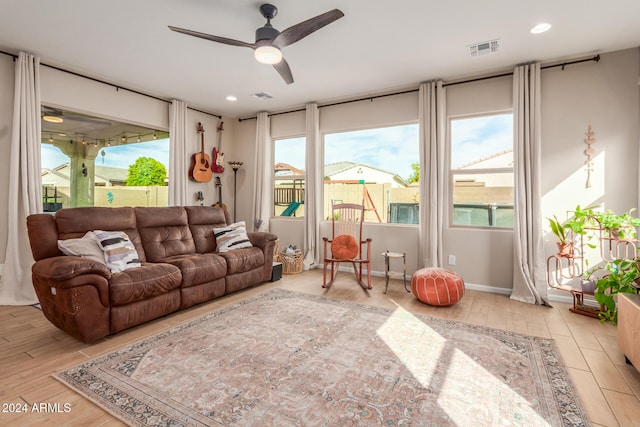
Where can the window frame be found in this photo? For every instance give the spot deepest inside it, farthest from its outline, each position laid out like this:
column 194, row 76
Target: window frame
column 386, row 213
column 452, row 173
column 303, row 137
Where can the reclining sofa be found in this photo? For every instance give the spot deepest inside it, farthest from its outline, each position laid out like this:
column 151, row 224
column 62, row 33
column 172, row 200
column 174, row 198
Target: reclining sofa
column 178, row 265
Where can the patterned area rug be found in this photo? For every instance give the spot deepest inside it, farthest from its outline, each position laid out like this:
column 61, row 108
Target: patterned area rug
column 283, row 358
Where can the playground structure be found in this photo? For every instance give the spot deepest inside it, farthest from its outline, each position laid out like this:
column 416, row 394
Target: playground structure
column 379, row 199
column 369, row 204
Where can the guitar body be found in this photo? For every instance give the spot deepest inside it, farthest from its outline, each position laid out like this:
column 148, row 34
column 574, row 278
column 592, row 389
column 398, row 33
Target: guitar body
column 218, row 157
column 219, row 204
column 200, row 170
column 218, row 161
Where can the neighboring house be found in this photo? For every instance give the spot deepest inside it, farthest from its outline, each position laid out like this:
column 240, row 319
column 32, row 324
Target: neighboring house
column 502, row 159
column 105, row 176
column 350, row 171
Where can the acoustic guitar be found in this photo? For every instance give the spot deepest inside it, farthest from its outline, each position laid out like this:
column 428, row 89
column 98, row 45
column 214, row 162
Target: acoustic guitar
column 200, row 162
column 218, row 157
column 219, row 204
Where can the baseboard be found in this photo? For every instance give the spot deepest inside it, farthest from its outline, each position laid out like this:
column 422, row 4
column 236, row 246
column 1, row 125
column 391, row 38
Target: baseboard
column 568, row 299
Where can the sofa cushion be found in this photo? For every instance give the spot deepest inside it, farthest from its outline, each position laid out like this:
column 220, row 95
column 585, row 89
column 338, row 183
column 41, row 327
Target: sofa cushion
column 75, row 222
column 241, row 260
column 199, row 268
column 119, row 252
column 234, row 236
column 164, row 232
column 85, row 247
column 202, row 220
column 142, row 283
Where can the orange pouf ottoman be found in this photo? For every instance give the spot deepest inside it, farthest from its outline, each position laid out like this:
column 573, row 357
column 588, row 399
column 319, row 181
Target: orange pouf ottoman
column 437, row 286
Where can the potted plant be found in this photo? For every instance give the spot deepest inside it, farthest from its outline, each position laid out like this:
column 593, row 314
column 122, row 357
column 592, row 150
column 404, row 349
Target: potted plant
column 622, row 227
column 621, row 277
column 565, row 245
column 581, row 220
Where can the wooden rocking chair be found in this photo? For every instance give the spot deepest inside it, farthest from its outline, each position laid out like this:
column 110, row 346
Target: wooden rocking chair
column 346, row 243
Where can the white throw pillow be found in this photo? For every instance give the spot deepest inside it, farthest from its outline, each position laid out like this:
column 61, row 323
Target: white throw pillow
column 85, row 247
column 119, row 252
column 233, row 236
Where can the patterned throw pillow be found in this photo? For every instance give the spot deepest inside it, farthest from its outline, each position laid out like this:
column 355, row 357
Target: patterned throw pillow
column 119, row 252
column 85, row 247
column 233, row 236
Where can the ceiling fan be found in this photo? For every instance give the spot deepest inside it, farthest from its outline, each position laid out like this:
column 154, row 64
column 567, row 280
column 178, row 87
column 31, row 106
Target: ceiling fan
column 56, row 115
column 270, row 41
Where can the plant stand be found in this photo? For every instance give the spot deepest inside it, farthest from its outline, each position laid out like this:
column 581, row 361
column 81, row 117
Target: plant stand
column 580, row 307
column 561, row 269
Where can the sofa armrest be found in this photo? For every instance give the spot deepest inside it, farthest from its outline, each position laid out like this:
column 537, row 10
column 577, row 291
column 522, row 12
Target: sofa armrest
column 63, row 268
column 262, row 239
column 74, row 295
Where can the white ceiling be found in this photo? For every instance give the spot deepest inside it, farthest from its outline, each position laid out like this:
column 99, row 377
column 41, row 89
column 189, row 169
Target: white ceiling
column 376, row 47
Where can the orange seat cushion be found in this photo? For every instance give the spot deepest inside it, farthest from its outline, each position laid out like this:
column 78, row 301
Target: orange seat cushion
column 437, row 286
column 344, row 247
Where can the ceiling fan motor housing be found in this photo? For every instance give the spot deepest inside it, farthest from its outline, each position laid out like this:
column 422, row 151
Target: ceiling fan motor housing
column 266, row 33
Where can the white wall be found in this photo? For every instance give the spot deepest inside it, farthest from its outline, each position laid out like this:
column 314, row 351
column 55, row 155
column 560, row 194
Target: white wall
column 605, row 95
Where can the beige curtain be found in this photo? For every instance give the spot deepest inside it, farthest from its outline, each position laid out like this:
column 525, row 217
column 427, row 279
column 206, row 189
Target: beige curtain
column 178, row 153
column 529, row 283
column 25, row 192
column 433, row 172
column 263, row 174
column 313, row 188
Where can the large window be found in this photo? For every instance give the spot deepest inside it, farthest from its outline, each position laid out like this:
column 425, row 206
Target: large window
column 379, row 166
column 89, row 161
column 482, row 170
column 288, row 192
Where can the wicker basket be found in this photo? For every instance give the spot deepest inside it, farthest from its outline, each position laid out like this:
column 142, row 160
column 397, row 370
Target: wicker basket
column 291, row 263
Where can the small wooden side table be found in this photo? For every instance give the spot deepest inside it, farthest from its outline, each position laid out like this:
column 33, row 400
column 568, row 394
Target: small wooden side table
column 387, row 256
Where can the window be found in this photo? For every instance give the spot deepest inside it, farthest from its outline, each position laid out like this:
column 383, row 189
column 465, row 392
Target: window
column 89, row 161
column 288, row 191
column 482, row 170
column 378, row 166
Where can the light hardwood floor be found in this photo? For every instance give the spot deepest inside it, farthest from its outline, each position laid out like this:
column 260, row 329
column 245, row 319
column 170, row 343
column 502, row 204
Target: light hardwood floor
column 31, row 349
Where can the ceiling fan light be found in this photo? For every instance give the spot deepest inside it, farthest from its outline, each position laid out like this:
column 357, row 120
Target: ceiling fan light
column 268, row 55
column 52, row 119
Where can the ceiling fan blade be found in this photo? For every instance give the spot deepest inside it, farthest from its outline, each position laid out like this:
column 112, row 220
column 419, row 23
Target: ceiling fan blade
column 304, row 28
column 210, row 37
column 285, row 72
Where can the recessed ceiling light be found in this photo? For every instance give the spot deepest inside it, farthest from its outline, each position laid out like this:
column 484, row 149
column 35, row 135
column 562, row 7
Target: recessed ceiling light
column 231, row 98
column 541, row 28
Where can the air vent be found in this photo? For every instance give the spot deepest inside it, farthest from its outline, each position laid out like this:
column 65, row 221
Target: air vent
column 262, row 95
column 483, row 48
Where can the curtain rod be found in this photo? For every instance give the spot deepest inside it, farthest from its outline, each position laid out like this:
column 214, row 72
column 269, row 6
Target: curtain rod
column 476, row 79
column 111, row 84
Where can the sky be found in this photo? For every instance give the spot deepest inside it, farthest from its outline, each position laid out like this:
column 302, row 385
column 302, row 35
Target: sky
column 473, row 138
column 395, row 148
column 392, row 149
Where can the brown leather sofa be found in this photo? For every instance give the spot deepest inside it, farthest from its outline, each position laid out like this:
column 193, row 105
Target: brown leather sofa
column 180, row 266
